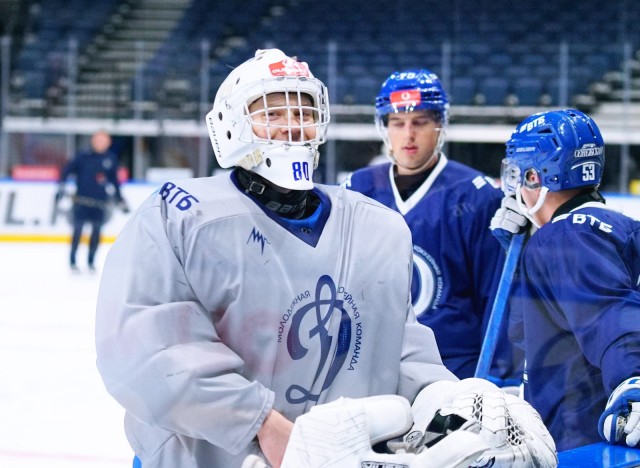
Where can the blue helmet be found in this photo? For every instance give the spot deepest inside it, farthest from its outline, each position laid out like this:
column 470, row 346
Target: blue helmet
column 564, row 147
column 411, row 90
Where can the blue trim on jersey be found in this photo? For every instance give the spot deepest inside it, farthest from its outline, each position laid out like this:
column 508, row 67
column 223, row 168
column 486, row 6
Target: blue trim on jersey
column 309, row 229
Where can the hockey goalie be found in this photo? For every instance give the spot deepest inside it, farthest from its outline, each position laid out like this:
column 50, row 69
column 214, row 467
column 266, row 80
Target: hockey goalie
column 470, row 423
column 272, row 317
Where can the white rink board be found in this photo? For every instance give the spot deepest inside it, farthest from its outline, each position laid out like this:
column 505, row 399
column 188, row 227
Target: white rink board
column 28, row 211
column 629, row 205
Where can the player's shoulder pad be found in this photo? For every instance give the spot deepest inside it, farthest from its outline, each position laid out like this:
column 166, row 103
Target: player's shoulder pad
column 347, row 195
column 185, row 195
column 367, row 178
column 181, row 195
column 465, row 177
column 357, row 201
column 589, row 217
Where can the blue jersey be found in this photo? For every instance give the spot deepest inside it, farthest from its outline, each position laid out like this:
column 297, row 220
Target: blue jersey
column 457, row 261
column 576, row 311
column 93, row 172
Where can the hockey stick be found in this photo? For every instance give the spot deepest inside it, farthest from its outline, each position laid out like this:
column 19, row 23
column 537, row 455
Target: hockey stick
column 499, row 306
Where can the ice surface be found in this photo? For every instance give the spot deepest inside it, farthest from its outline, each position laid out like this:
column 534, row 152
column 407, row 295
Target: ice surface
column 54, row 410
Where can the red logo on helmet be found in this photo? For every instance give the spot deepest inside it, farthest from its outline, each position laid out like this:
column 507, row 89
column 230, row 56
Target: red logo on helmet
column 406, row 98
column 289, row 67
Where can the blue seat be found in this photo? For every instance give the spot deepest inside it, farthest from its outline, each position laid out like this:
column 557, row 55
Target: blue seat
column 517, row 71
column 552, row 87
column 364, row 89
column 528, row 90
column 463, row 90
column 495, row 90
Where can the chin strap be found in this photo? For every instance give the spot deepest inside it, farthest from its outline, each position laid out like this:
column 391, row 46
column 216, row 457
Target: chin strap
column 529, row 212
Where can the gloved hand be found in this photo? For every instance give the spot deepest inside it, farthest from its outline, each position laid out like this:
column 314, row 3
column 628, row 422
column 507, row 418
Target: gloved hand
column 511, row 428
column 507, row 221
column 122, row 204
column 341, row 434
column 620, row 421
column 59, row 195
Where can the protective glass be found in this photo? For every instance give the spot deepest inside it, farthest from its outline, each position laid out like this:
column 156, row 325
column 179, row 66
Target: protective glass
column 510, row 177
column 300, row 113
column 296, row 118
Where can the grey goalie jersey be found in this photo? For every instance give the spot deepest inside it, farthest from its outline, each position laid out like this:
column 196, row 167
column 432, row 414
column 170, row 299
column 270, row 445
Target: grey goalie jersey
column 212, row 311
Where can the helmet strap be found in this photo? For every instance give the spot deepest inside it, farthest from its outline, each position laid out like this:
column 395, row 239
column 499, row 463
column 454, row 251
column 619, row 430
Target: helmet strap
column 251, row 160
column 529, row 212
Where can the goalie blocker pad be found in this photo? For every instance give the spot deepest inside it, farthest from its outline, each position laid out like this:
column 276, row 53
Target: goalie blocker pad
column 341, row 435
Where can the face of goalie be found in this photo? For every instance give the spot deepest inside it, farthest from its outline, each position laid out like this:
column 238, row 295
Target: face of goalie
column 283, row 116
column 413, row 137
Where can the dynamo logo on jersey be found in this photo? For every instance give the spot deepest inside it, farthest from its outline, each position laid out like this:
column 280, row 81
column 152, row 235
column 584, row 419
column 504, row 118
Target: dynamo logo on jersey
column 427, row 283
column 311, row 322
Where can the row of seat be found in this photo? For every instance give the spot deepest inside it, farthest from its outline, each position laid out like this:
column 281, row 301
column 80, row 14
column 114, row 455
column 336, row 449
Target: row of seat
column 488, row 53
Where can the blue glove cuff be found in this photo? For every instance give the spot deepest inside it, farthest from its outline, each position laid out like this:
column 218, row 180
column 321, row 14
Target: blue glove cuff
column 621, row 406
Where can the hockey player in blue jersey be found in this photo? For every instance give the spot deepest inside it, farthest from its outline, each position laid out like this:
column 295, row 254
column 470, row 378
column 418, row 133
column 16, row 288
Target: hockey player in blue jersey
column 448, row 207
column 95, row 173
column 231, row 306
column 576, row 307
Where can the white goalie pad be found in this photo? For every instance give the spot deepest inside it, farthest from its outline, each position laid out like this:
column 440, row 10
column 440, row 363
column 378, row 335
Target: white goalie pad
column 512, row 429
column 341, row 434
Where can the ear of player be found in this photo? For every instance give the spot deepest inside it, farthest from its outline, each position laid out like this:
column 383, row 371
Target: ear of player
column 471, row 423
column 620, row 421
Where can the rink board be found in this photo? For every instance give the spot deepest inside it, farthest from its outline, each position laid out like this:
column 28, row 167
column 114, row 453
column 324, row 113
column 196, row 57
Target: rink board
column 599, row 455
column 29, row 213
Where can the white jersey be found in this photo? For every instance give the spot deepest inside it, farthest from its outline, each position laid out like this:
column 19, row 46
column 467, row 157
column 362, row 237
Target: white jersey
column 212, row 311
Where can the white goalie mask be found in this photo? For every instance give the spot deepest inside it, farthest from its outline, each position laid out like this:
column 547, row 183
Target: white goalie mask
column 269, row 116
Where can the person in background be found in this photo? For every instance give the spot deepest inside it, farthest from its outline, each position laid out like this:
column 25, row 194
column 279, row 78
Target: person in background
column 575, row 309
column 448, row 207
column 96, row 181
column 231, row 305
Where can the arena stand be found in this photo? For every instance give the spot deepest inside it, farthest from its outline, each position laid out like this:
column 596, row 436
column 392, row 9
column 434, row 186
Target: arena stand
column 162, row 60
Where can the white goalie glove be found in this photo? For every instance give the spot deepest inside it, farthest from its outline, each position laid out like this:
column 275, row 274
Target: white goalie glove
column 620, row 421
column 510, row 426
column 341, row 435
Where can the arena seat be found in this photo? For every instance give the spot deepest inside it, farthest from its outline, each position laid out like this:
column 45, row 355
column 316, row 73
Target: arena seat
column 372, row 38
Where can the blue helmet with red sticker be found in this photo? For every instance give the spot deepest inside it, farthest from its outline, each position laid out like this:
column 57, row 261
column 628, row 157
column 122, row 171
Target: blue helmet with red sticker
column 412, row 90
column 408, row 91
column 564, row 147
